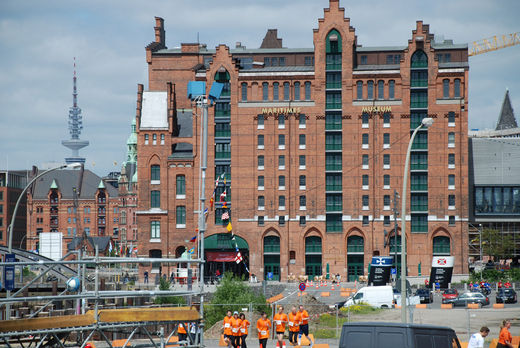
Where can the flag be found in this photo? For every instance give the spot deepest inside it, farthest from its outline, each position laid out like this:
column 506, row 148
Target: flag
column 135, row 250
column 110, row 247
column 191, row 251
column 193, row 239
column 211, row 202
column 122, row 250
column 206, row 211
column 229, row 227
column 225, row 216
column 238, row 258
column 223, row 196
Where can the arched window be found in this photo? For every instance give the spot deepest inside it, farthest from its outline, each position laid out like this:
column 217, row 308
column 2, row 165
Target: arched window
column 456, row 88
column 391, row 89
column 265, row 91
column 419, row 59
column 155, row 172
column 276, row 91
column 313, row 256
column 333, row 44
column 355, row 244
column 296, row 91
column 445, row 88
column 380, row 89
column 307, row 90
column 271, row 244
column 244, row 91
column 272, row 257
column 441, row 245
column 286, row 91
column 359, row 88
column 370, row 90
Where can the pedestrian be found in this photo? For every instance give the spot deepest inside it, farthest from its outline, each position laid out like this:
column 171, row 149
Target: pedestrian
column 262, row 326
column 477, row 339
column 304, row 325
column 280, row 320
column 294, row 326
column 235, row 329
column 146, row 277
column 228, row 334
column 172, row 278
column 505, row 338
column 244, row 330
column 438, row 287
column 183, row 333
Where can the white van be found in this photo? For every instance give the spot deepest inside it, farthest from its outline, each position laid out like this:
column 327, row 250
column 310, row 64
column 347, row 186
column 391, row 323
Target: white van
column 376, row 296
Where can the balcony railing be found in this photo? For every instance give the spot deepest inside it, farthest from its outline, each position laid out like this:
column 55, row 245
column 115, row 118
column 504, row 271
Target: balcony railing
column 334, row 84
column 419, row 187
column 333, row 187
column 223, row 133
column 330, row 125
column 330, row 106
column 333, row 146
column 419, row 146
column 419, row 104
column 333, row 166
column 333, row 66
column 419, row 207
column 334, row 207
column 419, row 83
column 419, row 166
column 221, row 155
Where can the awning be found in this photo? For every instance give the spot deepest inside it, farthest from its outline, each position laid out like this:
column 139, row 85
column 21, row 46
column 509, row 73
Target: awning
column 222, row 241
column 221, row 256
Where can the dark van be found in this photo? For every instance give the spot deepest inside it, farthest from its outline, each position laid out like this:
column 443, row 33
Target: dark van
column 394, row 335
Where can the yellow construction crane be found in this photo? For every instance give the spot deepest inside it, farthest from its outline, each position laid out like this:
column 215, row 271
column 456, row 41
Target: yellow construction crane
column 493, row 43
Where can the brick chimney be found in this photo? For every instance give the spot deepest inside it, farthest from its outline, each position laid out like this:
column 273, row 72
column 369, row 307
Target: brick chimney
column 160, row 35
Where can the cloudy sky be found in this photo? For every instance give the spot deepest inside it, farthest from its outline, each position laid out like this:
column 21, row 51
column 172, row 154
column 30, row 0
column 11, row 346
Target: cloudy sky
column 38, row 40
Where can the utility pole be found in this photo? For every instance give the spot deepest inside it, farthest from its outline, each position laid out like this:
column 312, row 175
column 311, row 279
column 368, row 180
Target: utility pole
column 396, row 214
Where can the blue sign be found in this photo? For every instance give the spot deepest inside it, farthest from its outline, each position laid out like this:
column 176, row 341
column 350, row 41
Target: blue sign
column 9, row 272
column 393, row 270
column 302, row 286
column 382, row 261
column 269, row 275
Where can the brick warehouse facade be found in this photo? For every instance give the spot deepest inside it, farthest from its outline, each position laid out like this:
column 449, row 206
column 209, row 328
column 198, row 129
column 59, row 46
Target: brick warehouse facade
column 312, row 143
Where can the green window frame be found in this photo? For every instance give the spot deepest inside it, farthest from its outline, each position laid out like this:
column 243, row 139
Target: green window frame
column 180, row 184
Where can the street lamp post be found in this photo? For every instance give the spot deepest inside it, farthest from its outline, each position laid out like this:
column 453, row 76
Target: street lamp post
column 13, row 217
column 481, row 256
column 426, row 122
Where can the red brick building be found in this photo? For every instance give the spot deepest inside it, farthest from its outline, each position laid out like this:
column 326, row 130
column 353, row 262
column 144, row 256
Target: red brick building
column 51, row 207
column 12, row 182
column 312, row 142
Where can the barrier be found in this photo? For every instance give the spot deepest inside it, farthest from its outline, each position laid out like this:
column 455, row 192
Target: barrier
column 120, row 343
column 473, row 305
column 221, row 342
column 421, row 305
column 447, row 306
column 275, row 298
column 325, row 294
column 345, row 294
column 306, row 341
column 498, row 305
column 493, row 343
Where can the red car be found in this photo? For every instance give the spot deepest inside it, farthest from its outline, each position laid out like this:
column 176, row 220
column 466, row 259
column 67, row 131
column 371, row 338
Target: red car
column 449, row 294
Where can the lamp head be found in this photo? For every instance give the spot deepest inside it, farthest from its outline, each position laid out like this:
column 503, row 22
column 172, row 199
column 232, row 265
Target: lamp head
column 427, row 122
column 73, row 165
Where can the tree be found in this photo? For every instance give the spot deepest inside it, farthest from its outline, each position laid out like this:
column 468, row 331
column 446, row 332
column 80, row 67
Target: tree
column 496, row 244
column 165, row 285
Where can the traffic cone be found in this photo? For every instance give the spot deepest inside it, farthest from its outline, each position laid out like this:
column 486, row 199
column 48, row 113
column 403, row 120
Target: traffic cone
column 317, row 286
column 332, row 288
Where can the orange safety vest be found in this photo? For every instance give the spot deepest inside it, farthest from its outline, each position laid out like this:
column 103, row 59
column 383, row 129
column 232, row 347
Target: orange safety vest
column 263, row 328
column 235, row 326
column 182, row 328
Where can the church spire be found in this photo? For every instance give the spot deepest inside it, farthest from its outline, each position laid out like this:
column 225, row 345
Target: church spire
column 506, row 119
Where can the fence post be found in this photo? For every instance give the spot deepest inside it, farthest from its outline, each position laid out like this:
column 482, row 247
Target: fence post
column 337, row 320
column 469, row 326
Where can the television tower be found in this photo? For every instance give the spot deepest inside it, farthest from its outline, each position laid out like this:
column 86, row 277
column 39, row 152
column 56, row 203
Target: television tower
column 75, row 126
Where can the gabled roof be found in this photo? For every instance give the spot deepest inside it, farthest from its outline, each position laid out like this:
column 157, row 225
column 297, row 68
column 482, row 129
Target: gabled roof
column 101, row 242
column 506, row 119
column 68, row 179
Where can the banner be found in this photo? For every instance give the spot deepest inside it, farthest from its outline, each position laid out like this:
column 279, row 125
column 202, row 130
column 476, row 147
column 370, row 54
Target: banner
column 442, row 268
column 380, row 270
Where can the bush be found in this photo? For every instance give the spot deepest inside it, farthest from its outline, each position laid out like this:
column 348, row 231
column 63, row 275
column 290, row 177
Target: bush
column 165, row 285
column 325, row 333
column 359, row 308
column 493, row 275
column 232, row 294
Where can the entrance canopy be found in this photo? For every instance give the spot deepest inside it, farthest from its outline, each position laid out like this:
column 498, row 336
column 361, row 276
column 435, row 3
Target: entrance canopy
column 222, row 241
column 220, row 256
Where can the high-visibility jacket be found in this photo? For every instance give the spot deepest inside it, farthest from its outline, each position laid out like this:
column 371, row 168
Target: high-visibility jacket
column 263, row 327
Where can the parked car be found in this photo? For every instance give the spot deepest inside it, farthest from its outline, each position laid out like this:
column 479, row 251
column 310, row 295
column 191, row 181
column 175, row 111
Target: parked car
column 469, row 297
column 449, row 294
column 376, row 296
column 425, row 295
column 506, row 296
column 380, row 334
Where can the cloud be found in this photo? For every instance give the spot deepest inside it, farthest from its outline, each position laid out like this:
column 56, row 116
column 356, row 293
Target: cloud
column 39, row 39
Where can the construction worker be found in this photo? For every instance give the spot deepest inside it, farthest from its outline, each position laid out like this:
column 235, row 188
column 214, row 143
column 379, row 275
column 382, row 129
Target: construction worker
column 262, row 326
column 182, row 332
column 244, row 329
column 294, row 326
column 280, row 320
column 226, row 327
column 304, row 325
column 235, row 329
